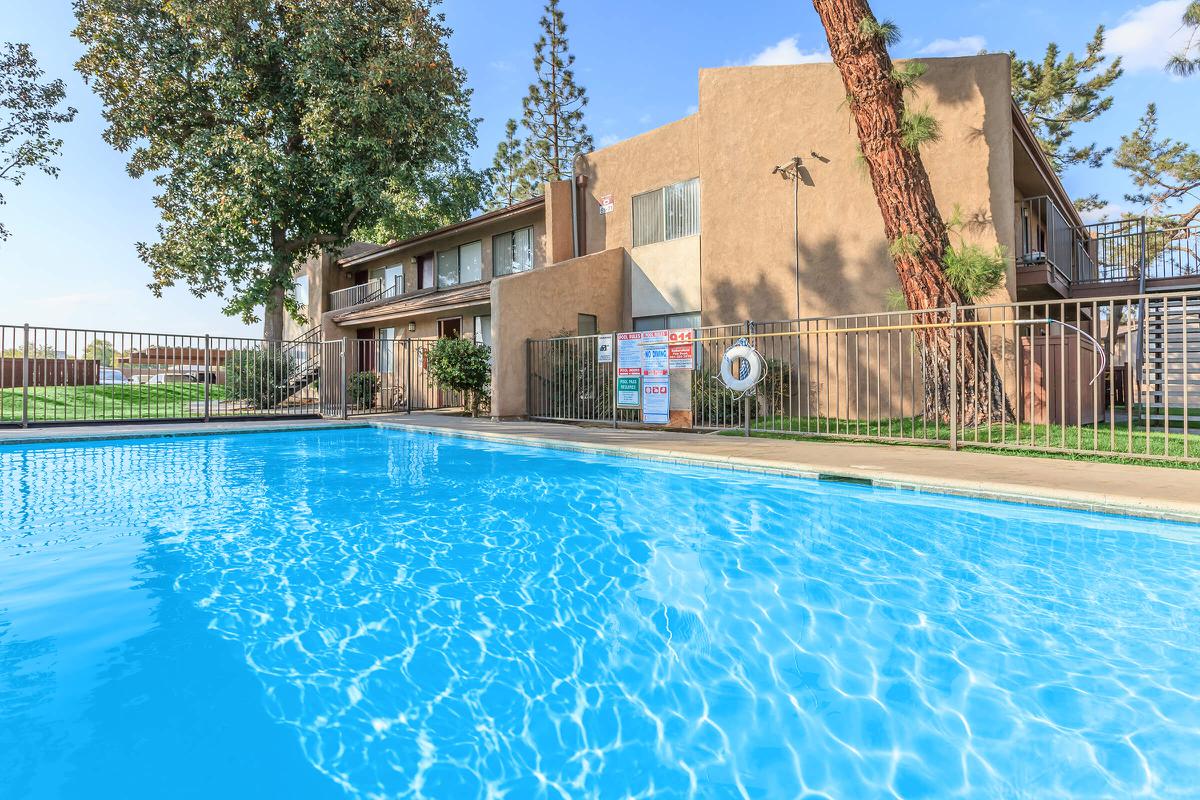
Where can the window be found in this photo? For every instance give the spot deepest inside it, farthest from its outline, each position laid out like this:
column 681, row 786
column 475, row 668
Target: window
column 425, row 271
column 391, row 279
column 300, row 290
column 387, row 350
column 463, row 264
column 483, row 330
column 512, row 252
column 671, row 212
column 449, row 328
column 585, row 324
column 661, row 322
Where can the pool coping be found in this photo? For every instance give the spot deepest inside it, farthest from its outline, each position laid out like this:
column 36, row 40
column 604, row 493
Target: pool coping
column 980, row 490
column 170, row 430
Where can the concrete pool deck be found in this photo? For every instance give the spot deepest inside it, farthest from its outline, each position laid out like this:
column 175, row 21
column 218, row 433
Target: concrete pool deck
column 1153, row 492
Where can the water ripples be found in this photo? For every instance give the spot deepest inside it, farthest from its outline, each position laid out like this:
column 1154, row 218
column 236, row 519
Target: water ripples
column 430, row 617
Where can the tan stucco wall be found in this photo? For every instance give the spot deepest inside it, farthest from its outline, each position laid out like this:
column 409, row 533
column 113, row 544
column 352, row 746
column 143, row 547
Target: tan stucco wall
column 546, row 302
column 754, row 118
column 660, row 157
column 664, row 277
column 323, row 277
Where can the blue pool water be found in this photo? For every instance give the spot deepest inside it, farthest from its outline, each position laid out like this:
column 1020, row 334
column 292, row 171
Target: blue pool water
column 367, row 613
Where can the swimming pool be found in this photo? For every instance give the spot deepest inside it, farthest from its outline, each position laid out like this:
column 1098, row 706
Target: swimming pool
column 374, row 613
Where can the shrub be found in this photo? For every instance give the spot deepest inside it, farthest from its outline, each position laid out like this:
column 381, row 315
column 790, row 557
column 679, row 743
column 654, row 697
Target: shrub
column 461, row 365
column 360, row 389
column 261, row 376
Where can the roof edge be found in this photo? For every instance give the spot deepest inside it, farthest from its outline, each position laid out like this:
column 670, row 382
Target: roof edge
column 489, row 216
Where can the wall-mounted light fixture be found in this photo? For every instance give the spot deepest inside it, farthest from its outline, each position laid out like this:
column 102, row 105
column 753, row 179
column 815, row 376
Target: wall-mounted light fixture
column 412, row 327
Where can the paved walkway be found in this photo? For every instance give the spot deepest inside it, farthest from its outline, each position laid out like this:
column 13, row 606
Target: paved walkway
column 1140, row 491
column 1157, row 492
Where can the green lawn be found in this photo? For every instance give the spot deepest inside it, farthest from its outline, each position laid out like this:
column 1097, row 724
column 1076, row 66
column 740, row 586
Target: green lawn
column 120, row 401
column 1114, row 445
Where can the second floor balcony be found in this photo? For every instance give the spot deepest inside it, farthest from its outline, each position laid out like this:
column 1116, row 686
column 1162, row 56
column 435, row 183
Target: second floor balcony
column 1119, row 257
column 369, row 292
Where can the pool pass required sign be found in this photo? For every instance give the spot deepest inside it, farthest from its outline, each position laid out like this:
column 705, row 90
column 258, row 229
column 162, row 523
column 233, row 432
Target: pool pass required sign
column 629, row 370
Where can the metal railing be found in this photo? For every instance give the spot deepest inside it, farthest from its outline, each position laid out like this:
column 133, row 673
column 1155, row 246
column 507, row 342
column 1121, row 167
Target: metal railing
column 380, row 376
column 363, row 293
column 1112, row 377
column 1117, row 251
column 54, row 375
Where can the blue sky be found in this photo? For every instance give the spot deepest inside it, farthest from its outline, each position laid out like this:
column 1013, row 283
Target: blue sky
column 71, row 258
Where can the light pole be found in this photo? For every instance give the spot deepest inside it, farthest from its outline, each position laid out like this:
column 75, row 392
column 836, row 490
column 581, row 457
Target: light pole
column 794, row 171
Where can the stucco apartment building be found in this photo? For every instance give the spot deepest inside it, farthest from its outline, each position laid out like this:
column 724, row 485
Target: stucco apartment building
column 692, row 224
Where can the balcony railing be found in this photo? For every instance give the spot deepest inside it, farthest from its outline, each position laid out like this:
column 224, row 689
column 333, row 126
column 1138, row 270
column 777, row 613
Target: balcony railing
column 1122, row 251
column 362, row 293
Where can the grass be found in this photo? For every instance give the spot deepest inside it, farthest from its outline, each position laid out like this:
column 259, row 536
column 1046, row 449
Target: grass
column 117, row 401
column 1102, row 443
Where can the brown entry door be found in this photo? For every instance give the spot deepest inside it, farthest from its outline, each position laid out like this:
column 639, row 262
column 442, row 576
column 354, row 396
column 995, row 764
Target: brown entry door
column 449, row 328
column 366, row 349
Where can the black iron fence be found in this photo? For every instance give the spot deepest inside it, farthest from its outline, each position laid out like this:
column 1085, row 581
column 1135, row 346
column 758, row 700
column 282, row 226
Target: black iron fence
column 1110, row 377
column 54, row 375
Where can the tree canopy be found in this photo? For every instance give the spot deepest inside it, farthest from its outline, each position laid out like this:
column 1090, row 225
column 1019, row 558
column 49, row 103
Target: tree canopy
column 553, row 109
column 1187, row 60
column 28, row 110
column 1166, row 173
column 272, row 129
column 1059, row 93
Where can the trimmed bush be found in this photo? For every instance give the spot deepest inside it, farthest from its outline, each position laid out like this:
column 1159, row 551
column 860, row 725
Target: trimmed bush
column 360, row 389
column 261, row 376
column 462, row 366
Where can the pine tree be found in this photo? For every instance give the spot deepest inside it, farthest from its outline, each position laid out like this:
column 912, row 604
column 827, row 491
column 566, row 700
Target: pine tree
column 890, row 136
column 510, row 180
column 554, row 106
column 1057, row 94
column 1165, row 172
column 1187, row 60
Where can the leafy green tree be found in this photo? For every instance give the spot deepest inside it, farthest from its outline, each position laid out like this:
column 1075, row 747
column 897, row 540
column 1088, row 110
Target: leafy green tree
column 1057, row 94
column 270, row 127
column 461, row 365
column 555, row 103
column 1187, row 60
column 1166, row 173
column 101, row 350
column 440, row 198
column 28, row 109
column 510, row 179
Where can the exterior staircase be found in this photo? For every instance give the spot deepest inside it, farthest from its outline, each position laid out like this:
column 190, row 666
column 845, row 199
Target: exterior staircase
column 305, row 354
column 1171, row 362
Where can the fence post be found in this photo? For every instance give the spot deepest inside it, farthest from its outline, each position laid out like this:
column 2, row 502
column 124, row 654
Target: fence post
column 25, row 379
column 345, row 399
column 612, row 348
column 529, row 378
column 408, row 371
column 953, row 376
column 207, row 373
column 746, row 396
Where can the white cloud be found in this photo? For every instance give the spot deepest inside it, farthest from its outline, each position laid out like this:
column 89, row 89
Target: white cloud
column 608, row 139
column 787, row 51
column 1147, row 35
column 692, row 109
column 1108, row 211
column 962, row 46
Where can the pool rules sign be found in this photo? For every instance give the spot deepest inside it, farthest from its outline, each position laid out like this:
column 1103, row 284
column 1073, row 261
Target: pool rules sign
column 644, row 363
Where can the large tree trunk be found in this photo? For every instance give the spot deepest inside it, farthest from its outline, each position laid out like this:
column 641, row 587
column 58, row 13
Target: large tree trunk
column 911, row 219
column 281, row 276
